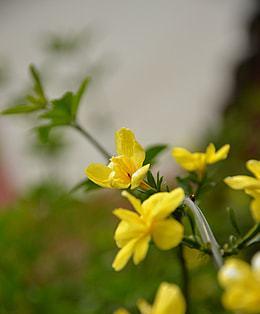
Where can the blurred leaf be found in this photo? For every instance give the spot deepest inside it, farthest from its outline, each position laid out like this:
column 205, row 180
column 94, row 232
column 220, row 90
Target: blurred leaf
column 87, row 185
column 64, row 109
column 49, row 143
column 78, row 96
column 64, row 43
column 20, row 109
column 60, row 113
column 152, row 152
column 38, row 87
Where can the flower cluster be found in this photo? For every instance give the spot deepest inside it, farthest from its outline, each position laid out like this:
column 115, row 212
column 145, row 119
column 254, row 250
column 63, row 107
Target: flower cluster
column 126, row 169
column 151, row 221
column 242, row 285
column 155, row 220
column 198, row 161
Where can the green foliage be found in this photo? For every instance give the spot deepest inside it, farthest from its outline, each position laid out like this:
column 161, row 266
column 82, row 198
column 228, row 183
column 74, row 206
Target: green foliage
column 35, row 101
column 155, row 183
column 37, row 87
column 64, row 110
column 57, row 112
column 86, row 185
column 153, row 152
column 60, row 44
column 23, row 108
column 48, row 143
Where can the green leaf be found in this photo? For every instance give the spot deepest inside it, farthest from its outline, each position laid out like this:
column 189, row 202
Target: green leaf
column 64, row 109
column 152, row 153
column 78, row 96
column 38, row 87
column 87, row 185
column 24, row 108
column 151, row 180
column 60, row 113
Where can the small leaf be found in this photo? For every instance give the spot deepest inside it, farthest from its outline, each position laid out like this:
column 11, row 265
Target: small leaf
column 38, row 87
column 87, row 185
column 78, row 96
column 20, row 109
column 152, row 152
column 233, row 220
column 60, row 113
column 150, row 179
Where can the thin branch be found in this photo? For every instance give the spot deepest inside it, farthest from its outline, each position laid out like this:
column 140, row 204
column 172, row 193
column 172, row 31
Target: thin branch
column 92, row 140
column 185, row 277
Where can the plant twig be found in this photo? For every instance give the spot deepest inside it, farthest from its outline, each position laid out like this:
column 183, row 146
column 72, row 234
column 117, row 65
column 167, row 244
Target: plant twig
column 185, row 277
column 253, row 232
column 92, row 140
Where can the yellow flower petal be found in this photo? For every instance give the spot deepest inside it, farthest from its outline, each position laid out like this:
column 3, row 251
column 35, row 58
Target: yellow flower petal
column 136, row 203
column 212, row 156
column 242, row 182
column 234, row 271
column 255, row 209
column 127, row 145
column 128, row 216
column 124, row 255
column 160, row 205
column 122, row 165
column 99, row 174
column 253, row 192
column 254, row 167
column 242, row 299
column 232, row 298
column 169, row 300
column 138, row 176
column 144, row 307
column 186, row 159
column 141, row 249
column 167, row 233
column 126, row 232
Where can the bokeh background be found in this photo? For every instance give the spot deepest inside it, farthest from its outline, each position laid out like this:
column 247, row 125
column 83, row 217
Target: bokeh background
column 177, row 72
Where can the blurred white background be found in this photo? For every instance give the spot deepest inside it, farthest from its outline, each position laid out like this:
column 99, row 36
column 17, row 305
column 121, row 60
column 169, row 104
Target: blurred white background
column 168, row 69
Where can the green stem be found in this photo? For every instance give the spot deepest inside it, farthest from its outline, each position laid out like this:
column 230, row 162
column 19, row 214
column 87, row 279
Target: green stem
column 92, row 140
column 205, row 231
column 249, row 236
column 185, row 277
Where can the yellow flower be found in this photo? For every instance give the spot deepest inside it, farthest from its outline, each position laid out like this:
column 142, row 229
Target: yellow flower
column 198, row 161
column 121, row 311
column 124, row 170
column 250, row 185
column 242, row 285
column 168, row 300
column 150, row 221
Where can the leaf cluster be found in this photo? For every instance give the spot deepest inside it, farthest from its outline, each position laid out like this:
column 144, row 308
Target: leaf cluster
column 58, row 111
column 50, row 112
